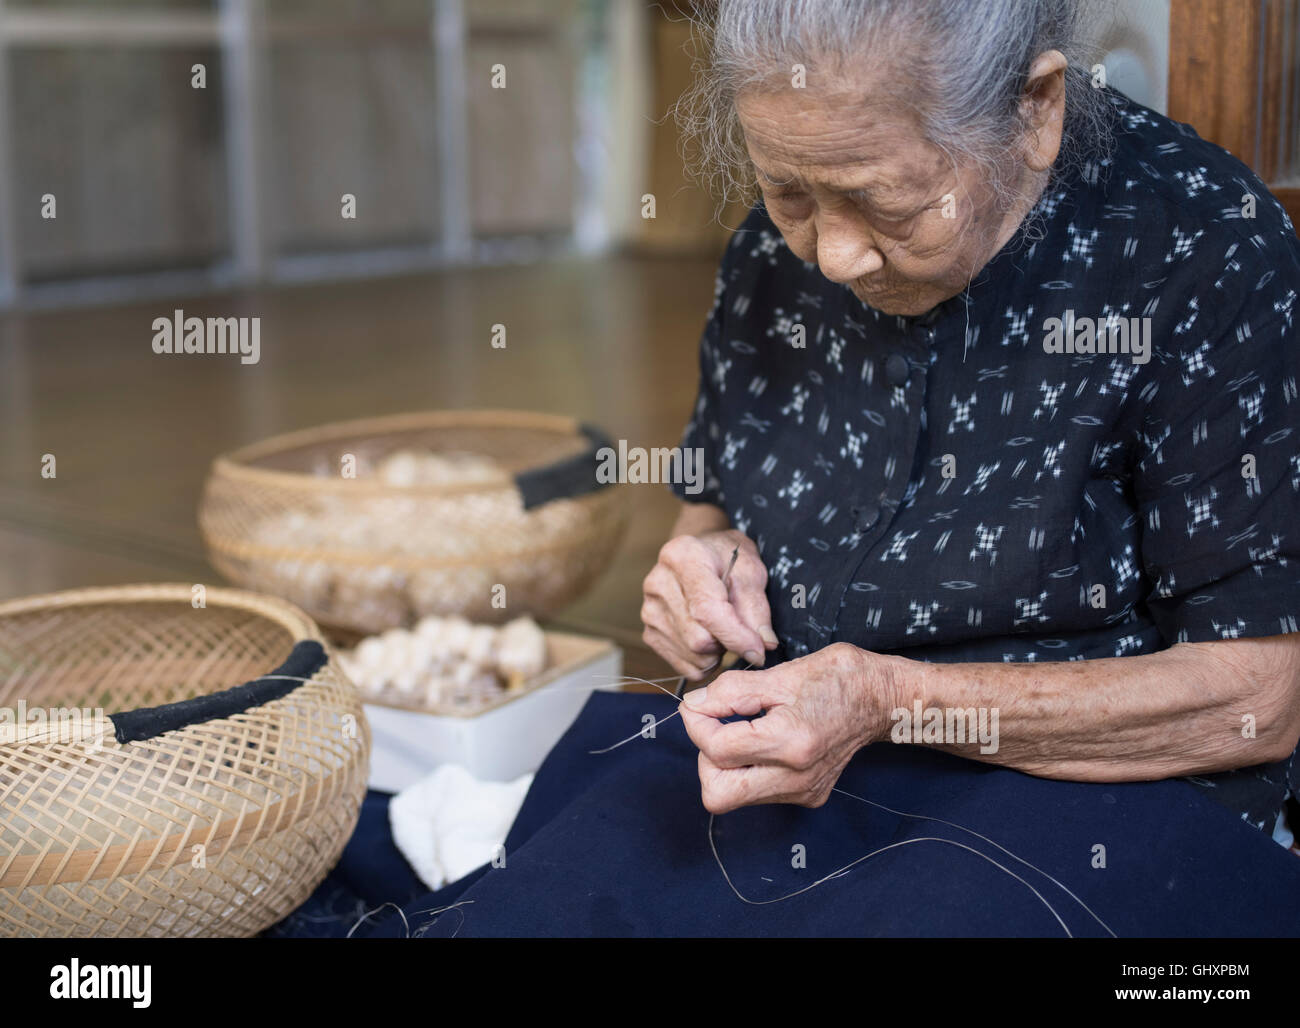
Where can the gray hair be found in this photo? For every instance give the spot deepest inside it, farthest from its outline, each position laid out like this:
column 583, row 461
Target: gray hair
column 971, row 60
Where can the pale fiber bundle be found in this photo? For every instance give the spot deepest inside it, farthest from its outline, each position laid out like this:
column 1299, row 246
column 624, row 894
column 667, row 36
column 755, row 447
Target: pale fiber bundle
column 447, row 663
column 433, row 523
column 213, row 792
column 410, row 467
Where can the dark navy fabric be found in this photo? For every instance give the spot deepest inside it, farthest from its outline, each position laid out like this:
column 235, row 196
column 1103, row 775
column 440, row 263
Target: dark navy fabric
column 616, row 845
column 370, row 873
column 945, row 488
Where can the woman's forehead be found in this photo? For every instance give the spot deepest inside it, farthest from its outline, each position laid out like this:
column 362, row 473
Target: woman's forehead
column 902, row 169
column 836, row 135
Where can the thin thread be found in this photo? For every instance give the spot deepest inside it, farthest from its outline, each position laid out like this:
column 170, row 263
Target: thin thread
column 437, row 912
column 612, row 685
column 636, row 735
column 615, row 682
column 965, row 339
column 951, row 842
column 893, row 845
column 900, row 813
column 423, row 928
column 652, row 682
column 371, row 913
column 971, row 831
column 646, row 728
column 807, row 888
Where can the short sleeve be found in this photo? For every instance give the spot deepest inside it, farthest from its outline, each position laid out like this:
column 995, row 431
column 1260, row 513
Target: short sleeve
column 1217, row 475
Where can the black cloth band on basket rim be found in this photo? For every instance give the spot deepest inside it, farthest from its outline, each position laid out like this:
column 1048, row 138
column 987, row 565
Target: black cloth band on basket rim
column 307, row 657
column 573, row 476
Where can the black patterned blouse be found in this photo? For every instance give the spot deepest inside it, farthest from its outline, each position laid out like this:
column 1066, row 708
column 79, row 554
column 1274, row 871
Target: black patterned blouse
column 974, row 485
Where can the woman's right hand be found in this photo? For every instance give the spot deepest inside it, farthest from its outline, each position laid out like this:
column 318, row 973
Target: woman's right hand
column 691, row 617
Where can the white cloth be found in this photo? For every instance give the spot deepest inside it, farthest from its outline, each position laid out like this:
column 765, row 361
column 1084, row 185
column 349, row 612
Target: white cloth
column 449, row 823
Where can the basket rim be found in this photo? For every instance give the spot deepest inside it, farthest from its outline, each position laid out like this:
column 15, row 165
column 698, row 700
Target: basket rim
column 120, row 860
column 238, row 548
column 236, row 464
column 301, row 627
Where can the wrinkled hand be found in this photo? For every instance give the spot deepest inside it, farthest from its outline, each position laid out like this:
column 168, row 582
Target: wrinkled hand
column 819, row 711
column 691, row 616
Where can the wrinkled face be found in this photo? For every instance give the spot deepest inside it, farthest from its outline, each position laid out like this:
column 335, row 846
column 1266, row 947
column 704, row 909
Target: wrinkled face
column 856, row 189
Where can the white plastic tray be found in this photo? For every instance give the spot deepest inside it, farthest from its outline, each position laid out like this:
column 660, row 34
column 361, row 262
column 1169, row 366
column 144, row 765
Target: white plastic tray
column 504, row 742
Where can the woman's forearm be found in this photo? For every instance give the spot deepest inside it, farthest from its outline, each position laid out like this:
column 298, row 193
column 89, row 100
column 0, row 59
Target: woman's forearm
column 698, row 518
column 1193, row 709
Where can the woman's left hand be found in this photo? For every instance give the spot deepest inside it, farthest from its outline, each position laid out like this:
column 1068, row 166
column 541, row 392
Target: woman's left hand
column 817, row 712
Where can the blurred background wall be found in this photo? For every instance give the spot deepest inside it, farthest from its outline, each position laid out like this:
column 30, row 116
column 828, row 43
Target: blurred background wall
column 197, row 154
column 197, row 143
column 217, row 138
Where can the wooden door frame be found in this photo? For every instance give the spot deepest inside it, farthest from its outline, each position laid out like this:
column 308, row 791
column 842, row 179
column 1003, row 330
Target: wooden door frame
column 1227, row 67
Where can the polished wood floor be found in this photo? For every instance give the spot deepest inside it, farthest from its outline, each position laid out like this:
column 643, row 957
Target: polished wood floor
column 611, row 341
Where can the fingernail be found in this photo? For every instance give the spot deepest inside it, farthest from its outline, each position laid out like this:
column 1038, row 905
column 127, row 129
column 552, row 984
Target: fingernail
column 769, row 637
column 754, row 657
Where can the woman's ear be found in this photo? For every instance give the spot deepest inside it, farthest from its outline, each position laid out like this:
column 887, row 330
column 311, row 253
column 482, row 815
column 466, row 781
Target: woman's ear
column 1042, row 110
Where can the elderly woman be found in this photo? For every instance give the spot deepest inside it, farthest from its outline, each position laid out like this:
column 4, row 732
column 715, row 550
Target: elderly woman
column 945, row 493
column 948, row 499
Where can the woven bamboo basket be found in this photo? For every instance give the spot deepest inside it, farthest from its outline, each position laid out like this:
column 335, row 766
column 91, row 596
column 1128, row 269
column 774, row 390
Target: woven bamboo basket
column 194, row 772
column 358, row 553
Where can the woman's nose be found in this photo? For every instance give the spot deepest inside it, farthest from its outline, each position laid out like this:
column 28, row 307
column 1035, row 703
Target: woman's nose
column 845, row 252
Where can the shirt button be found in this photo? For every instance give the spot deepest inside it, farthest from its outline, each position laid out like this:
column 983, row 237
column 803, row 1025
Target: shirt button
column 896, row 370
column 864, row 518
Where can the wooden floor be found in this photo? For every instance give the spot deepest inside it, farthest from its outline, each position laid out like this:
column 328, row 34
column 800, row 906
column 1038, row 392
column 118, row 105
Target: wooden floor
column 611, row 341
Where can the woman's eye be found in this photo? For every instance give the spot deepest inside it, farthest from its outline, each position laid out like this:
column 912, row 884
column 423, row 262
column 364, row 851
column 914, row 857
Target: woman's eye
column 888, row 213
column 892, row 215
column 790, row 202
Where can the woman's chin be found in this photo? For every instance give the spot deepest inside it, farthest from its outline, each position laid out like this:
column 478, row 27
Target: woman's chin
column 904, row 301
column 895, row 302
